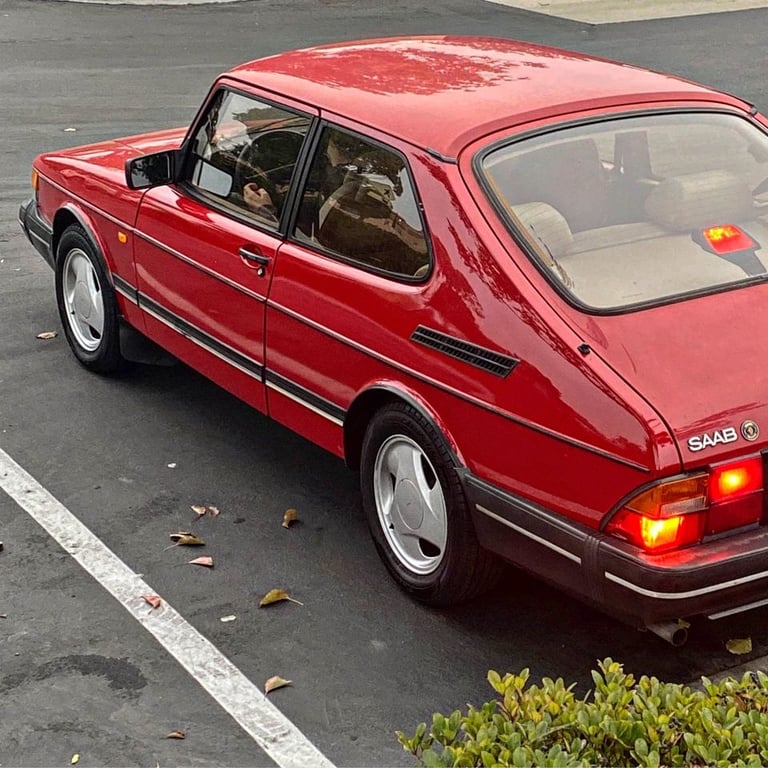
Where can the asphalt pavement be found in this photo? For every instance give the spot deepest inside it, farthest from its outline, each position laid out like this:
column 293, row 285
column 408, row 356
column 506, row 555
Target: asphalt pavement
column 128, row 456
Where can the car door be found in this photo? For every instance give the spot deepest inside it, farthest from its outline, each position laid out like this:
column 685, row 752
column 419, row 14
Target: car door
column 206, row 247
column 349, row 284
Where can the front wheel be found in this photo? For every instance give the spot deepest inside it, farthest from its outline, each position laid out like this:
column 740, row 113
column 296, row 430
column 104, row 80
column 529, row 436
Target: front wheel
column 86, row 303
column 417, row 512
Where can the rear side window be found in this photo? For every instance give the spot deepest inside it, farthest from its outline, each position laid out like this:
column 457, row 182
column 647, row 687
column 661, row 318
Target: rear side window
column 360, row 204
column 244, row 155
column 638, row 210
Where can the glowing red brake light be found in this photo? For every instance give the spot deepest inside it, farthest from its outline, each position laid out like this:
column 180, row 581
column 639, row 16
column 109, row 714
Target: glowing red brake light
column 680, row 512
column 667, row 515
column 660, row 533
column 728, row 238
column 727, row 481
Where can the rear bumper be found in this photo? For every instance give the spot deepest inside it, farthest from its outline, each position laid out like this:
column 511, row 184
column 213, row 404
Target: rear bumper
column 715, row 579
column 38, row 231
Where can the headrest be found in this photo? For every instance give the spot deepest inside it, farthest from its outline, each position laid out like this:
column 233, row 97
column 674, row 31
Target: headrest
column 697, row 200
column 548, row 226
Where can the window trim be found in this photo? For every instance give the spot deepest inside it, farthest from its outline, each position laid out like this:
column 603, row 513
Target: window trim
column 524, row 243
column 312, row 149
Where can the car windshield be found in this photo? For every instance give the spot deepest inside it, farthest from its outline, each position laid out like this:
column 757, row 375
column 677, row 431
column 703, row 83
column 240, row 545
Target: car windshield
column 637, row 210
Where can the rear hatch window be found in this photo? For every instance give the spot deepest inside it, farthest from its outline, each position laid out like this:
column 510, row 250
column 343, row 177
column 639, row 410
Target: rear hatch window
column 639, row 210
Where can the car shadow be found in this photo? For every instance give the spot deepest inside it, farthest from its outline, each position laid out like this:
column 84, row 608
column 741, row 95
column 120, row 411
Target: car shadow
column 577, row 635
column 554, row 634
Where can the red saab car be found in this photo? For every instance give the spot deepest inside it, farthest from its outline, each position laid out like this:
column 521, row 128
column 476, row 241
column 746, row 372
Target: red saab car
column 522, row 290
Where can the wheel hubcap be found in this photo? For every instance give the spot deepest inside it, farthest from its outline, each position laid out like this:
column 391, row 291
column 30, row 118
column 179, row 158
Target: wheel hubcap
column 83, row 300
column 410, row 504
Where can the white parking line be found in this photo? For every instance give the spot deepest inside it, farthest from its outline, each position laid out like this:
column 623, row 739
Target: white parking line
column 229, row 687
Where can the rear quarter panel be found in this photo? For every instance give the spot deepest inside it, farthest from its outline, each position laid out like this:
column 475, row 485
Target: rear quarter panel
column 562, row 429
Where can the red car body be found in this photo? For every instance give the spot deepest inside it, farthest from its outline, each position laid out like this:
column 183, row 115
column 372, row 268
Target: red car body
column 552, row 416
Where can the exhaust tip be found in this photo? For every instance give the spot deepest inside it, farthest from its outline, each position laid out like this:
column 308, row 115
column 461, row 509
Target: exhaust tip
column 674, row 632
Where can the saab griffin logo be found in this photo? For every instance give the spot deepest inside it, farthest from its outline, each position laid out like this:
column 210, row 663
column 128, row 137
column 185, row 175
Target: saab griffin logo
column 749, row 431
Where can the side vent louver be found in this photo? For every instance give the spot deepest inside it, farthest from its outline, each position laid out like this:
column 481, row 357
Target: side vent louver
column 485, row 359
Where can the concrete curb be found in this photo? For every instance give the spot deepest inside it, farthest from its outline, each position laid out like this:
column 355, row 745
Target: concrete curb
column 585, row 11
column 612, row 11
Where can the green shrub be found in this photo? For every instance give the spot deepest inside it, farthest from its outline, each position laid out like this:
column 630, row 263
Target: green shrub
column 620, row 723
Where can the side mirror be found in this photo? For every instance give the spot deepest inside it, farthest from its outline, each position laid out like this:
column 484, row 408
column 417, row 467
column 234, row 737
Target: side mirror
column 151, row 170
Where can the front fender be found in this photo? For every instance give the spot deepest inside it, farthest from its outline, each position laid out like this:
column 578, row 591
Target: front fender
column 69, row 214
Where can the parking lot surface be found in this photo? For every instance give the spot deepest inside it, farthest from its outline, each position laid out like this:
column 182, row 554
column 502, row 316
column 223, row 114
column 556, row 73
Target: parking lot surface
column 129, row 456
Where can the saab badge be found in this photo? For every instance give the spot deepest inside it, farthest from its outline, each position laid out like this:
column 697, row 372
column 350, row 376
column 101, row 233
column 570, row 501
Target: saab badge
column 750, row 431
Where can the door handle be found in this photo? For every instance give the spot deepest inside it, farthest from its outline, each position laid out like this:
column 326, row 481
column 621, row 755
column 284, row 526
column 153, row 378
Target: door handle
column 254, row 259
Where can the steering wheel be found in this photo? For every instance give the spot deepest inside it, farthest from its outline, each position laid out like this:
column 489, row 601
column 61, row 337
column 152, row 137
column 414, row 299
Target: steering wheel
column 268, row 160
column 247, row 171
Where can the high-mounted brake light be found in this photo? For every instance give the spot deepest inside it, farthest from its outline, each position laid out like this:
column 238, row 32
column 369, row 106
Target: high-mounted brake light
column 680, row 512
column 728, row 238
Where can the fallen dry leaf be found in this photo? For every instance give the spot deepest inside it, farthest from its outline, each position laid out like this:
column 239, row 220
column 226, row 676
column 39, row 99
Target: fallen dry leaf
column 275, row 682
column 206, row 561
column 176, row 735
column 154, row 600
column 290, row 516
column 75, row 759
column 45, row 335
column 276, row 596
column 185, row 539
column 201, row 510
column 740, row 645
column 225, row 619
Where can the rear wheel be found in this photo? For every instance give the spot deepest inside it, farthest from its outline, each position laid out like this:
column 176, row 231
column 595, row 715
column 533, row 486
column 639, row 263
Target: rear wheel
column 417, row 512
column 86, row 302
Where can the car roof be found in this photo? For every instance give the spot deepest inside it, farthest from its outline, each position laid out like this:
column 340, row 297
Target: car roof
column 441, row 92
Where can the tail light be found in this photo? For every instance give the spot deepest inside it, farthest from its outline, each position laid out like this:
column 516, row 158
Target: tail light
column 680, row 512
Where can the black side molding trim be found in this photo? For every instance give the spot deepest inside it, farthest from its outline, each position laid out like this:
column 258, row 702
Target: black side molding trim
column 126, row 289
column 480, row 357
column 202, row 338
column 305, row 396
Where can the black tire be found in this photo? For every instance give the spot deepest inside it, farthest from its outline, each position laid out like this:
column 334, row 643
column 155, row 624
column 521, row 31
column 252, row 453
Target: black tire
column 86, row 302
column 434, row 571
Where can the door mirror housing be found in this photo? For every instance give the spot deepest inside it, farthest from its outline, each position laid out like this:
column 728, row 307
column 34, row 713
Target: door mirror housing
column 151, row 170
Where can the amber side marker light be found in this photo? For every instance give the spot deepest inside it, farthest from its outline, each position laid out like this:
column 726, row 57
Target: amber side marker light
column 35, row 180
column 680, row 512
column 728, row 238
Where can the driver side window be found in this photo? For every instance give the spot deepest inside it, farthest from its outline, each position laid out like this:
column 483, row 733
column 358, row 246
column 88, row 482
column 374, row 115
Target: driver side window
column 244, row 155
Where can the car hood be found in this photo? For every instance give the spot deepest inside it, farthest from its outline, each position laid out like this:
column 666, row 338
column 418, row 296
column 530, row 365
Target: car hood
column 110, row 156
column 146, row 143
column 96, row 172
column 701, row 363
